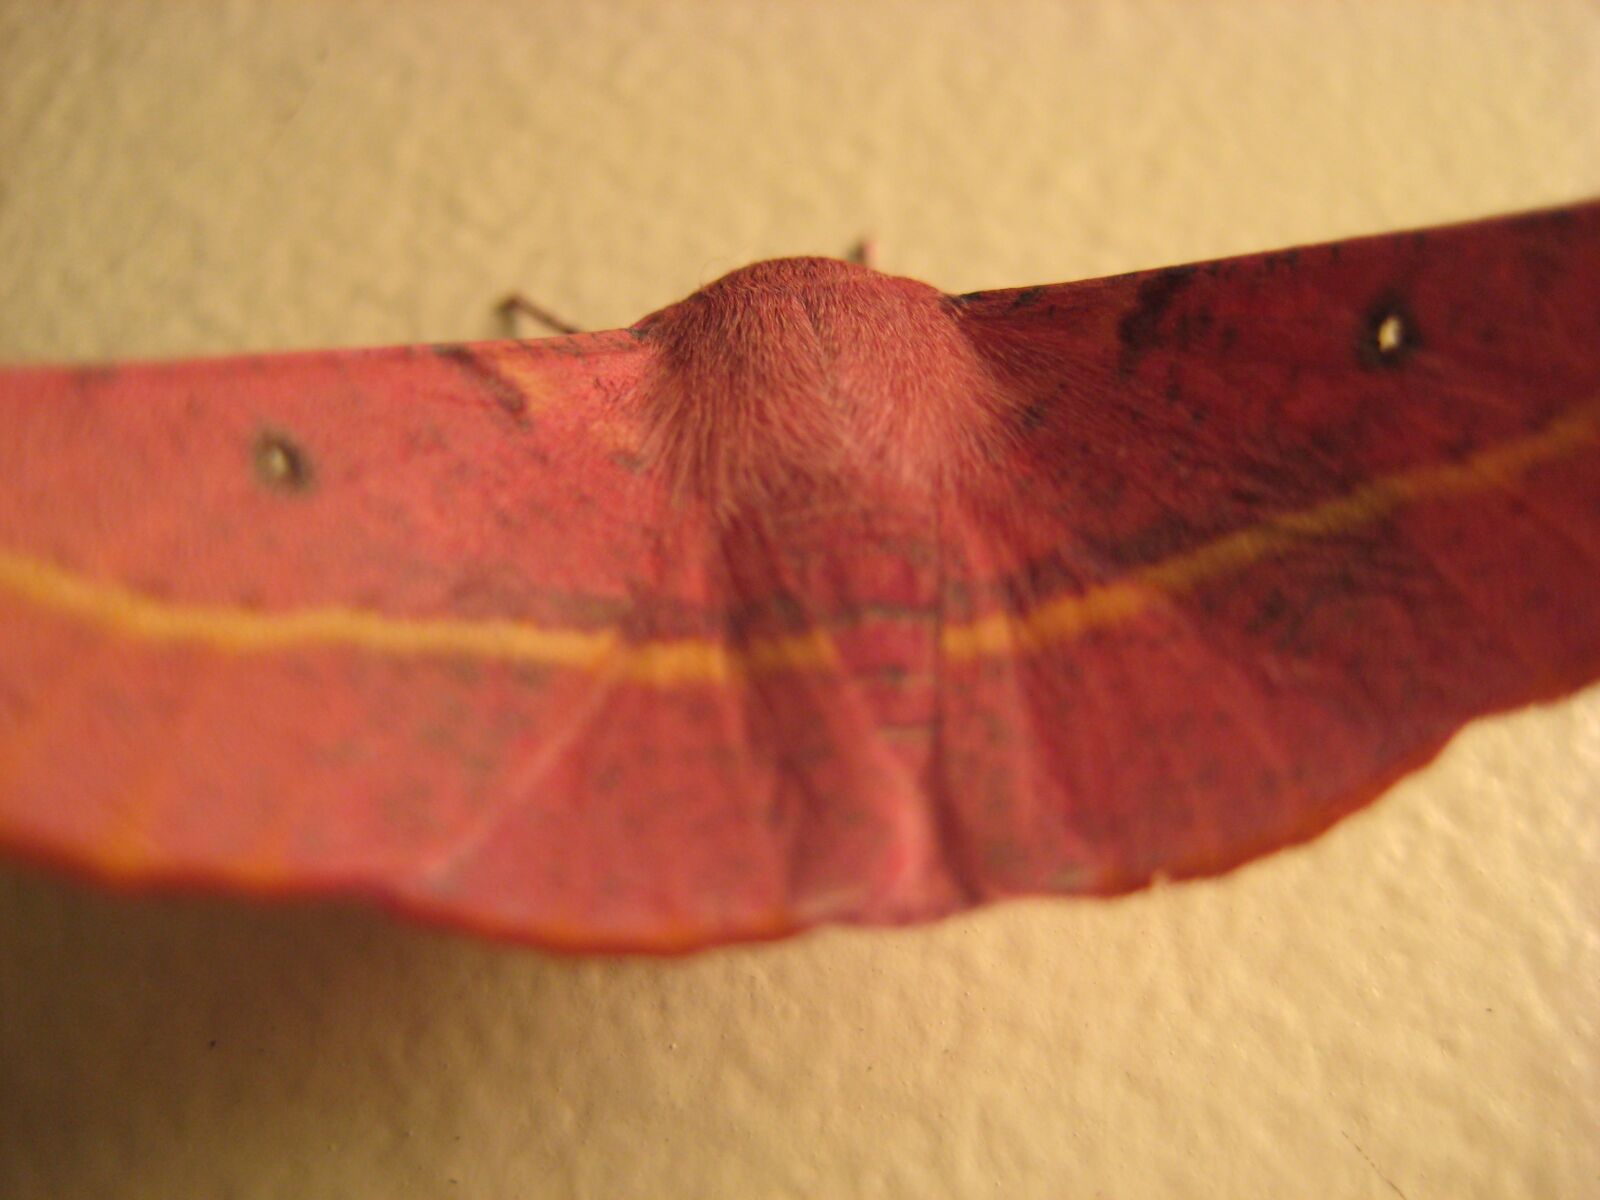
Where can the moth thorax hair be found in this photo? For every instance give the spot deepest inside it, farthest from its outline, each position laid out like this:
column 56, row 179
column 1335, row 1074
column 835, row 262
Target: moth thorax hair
column 793, row 378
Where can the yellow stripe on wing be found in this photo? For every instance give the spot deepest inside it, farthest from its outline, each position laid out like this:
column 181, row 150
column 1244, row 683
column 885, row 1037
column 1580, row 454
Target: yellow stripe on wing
column 1071, row 616
column 247, row 631
column 679, row 661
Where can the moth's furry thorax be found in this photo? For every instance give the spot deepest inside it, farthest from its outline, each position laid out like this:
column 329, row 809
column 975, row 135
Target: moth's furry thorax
column 800, row 374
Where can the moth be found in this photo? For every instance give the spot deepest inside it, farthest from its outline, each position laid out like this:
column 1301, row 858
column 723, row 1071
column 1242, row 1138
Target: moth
column 818, row 596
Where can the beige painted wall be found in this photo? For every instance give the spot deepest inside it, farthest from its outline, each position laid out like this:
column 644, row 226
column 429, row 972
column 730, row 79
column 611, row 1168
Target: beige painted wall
column 1409, row 1005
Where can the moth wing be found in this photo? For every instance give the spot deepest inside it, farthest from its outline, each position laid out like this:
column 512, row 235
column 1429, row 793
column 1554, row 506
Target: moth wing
column 1271, row 531
column 421, row 625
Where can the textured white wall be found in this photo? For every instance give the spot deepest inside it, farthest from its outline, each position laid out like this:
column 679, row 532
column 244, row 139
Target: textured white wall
column 1407, row 1005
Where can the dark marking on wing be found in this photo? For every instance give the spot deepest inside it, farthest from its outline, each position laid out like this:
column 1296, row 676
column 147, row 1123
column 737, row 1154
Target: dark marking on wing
column 1387, row 334
column 280, row 463
column 1026, row 298
column 1137, row 330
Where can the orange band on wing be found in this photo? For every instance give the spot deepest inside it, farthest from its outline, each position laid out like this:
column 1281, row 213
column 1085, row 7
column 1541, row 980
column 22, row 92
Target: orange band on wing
column 1070, row 616
column 245, row 631
column 674, row 662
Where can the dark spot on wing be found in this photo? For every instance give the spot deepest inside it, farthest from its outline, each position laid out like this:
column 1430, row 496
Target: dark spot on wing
column 1387, row 335
column 280, row 463
column 1553, row 218
column 1026, row 298
column 1160, row 539
column 1280, row 260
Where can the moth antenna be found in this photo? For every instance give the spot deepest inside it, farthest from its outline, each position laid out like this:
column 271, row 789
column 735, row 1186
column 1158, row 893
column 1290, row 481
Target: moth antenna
column 517, row 305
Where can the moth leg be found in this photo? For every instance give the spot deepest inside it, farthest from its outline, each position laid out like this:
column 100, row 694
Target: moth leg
column 864, row 253
column 517, row 305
